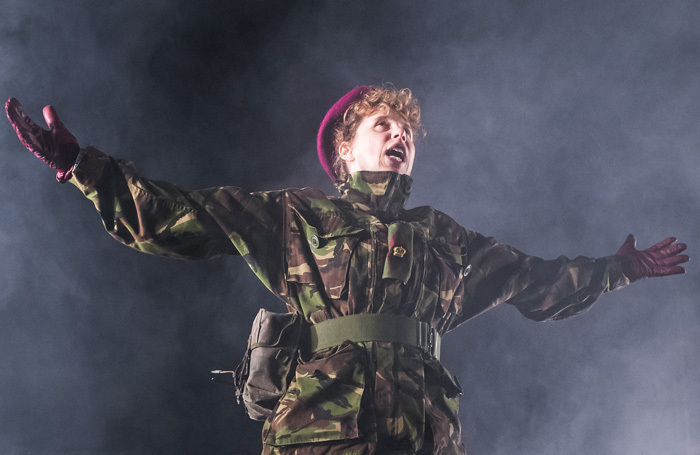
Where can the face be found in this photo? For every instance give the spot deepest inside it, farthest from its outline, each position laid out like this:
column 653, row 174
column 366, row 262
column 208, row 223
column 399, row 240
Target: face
column 382, row 142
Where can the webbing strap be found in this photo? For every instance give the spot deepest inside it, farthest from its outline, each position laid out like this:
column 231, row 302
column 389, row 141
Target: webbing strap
column 375, row 327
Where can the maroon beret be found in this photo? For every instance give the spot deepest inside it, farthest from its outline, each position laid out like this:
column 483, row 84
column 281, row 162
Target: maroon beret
column 326, row 133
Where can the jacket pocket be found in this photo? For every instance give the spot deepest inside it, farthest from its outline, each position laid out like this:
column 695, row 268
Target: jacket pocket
column 323, row 401
column 320, row 250
column 451, row 266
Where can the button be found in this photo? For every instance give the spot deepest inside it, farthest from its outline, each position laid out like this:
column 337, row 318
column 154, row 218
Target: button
column 466, row 270
column 398, row 251
column 314, row 241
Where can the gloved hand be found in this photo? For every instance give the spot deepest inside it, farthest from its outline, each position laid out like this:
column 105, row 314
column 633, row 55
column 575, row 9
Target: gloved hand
column 659, row 260
column 57, row 147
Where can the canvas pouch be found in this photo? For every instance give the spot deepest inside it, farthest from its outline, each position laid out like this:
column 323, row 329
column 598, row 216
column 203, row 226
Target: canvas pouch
column 269, row 363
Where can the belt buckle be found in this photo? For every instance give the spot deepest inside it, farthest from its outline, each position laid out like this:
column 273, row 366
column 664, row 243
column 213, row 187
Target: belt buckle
column 433, row 347
column 431, row 338
column 426, row 339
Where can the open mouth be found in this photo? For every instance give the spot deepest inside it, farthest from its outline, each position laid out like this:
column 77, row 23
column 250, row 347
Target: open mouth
column 397, row 155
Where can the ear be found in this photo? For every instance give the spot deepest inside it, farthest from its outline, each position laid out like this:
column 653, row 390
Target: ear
column 345, row 152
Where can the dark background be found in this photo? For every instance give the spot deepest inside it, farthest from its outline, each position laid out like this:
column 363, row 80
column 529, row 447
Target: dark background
column 557, row 126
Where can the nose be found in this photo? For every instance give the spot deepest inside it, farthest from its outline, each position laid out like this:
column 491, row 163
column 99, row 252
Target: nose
column 399, row 132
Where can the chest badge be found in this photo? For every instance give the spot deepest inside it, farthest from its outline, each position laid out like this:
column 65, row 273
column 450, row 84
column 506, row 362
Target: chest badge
column 398, row 251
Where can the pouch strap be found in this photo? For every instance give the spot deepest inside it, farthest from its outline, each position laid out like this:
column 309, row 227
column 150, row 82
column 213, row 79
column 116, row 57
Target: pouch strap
column 375, row 327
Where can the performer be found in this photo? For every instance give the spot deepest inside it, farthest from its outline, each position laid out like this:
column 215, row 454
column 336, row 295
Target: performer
column 379, row 284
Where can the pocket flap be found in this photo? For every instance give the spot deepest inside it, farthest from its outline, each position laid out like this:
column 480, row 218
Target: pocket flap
column 399, row 257
column 327, row 225
column 275, row 329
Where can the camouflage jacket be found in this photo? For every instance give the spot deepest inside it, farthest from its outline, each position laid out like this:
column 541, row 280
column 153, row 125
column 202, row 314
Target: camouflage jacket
column 327, row 257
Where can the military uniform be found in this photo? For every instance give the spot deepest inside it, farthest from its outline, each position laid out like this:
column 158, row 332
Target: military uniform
column 330, row 257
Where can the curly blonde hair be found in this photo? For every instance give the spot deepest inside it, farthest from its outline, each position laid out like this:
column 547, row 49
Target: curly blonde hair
column 400, row 101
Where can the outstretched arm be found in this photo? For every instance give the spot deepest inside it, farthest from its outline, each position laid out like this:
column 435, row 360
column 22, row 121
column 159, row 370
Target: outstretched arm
column 559, row 288
column 158, row 217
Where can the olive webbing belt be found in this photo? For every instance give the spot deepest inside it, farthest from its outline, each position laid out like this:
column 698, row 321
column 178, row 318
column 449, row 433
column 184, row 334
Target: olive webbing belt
column 375, row 327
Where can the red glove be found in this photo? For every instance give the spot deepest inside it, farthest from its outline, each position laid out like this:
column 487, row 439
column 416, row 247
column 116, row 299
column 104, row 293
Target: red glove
column 57, row 147
column 659, row 260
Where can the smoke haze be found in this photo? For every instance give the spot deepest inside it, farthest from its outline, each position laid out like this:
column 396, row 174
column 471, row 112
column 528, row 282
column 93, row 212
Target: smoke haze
column 556, row 126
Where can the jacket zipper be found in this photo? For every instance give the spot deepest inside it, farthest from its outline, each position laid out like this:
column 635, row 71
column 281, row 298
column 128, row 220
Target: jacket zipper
column 373, row 267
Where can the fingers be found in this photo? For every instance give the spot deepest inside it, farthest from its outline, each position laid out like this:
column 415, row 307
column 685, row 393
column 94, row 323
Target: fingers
column 670, row 260
column 666, row 271
column 669, row 251
column 10, row 106
column 675, row 260
column 666, row 257
column 52, row 119
column 62, row 136
column 669, row 255
column 16, row 114
column 662, row 244
column 673, row 249
column 28, row 132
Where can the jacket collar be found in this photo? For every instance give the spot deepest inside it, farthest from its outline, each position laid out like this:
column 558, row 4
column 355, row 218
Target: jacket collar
column 375, row 192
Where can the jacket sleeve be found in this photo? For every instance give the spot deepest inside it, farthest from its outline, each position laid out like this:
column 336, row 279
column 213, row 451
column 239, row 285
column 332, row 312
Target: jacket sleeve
column 159, row 218
column 540, row 289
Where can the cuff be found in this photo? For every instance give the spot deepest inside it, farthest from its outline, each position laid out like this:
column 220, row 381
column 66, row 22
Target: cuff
column 616, row 276
column 88, row 171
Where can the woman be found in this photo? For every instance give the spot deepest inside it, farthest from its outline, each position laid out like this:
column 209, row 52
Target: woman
column 379, row 284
